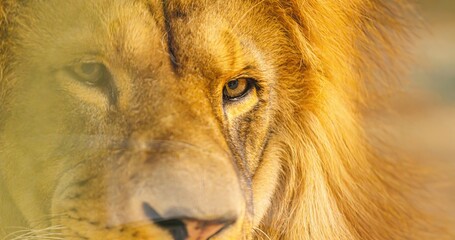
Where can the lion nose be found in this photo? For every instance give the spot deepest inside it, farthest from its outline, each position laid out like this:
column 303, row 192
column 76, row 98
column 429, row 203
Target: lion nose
column 187, row 228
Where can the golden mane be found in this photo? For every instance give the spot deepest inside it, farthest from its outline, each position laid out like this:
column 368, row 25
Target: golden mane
column 334, row 184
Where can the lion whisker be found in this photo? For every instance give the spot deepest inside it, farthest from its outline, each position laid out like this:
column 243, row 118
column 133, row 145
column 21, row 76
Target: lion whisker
column 258, row 230
column 47, row 218
column 38, row 237
column 44, row 233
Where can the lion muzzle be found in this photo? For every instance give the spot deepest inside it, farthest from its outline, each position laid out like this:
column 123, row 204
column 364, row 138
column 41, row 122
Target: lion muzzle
column 185, row 190
column 188, row 228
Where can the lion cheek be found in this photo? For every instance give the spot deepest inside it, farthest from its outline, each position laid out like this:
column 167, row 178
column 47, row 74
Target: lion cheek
column 265, row 182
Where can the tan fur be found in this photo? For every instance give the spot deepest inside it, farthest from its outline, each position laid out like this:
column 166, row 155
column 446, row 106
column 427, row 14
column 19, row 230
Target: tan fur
column 326, row 65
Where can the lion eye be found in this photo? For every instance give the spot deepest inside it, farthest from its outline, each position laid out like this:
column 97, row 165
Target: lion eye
column 236, row 89
column 89, row 73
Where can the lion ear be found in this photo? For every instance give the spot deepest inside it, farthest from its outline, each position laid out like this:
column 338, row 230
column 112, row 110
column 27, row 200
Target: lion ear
column 3, row 37
column 8, row 9
column 5, row 11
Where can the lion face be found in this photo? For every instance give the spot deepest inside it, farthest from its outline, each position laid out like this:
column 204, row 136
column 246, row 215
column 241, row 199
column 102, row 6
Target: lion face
column 144, row 120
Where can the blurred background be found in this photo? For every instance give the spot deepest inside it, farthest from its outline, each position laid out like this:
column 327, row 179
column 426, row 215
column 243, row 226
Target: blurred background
column 436, row 49
column 430, row 128
column 427, row 126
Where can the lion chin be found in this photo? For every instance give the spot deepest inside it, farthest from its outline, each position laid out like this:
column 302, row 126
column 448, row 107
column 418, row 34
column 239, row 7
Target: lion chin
column 195, row 120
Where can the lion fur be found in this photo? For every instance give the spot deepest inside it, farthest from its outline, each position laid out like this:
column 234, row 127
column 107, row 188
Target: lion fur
column 333, row 184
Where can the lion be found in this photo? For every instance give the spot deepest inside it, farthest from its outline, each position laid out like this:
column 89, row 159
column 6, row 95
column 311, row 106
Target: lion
column 201, row 120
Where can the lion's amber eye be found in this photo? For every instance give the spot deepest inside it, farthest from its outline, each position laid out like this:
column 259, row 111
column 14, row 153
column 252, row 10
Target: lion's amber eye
column 235, row 89
column 89, row 73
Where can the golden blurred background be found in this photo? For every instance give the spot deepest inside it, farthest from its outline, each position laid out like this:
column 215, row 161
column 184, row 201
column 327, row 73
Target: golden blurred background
column 436, row 49
column 428, row 127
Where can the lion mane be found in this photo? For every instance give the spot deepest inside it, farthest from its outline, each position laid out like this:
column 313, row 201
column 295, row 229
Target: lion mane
column 333, row 183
